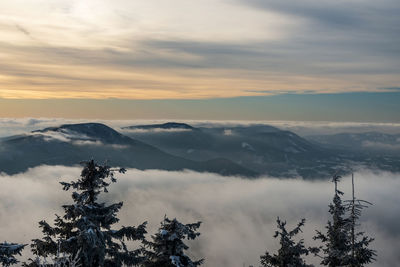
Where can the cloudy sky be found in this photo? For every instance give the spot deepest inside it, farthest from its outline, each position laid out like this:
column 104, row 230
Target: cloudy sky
column 223, row 52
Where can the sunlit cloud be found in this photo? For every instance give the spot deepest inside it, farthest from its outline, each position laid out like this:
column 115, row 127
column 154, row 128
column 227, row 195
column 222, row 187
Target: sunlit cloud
column 195, row 50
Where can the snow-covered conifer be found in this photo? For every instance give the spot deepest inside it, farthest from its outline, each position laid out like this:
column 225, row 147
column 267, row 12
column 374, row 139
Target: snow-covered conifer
column 8, row 251
column 336, row 246
column 167, row 248
column 84, row 231
column 290, row 253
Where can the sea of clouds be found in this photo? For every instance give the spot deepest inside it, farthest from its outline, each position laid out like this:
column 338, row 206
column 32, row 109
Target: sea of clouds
column 238, row 215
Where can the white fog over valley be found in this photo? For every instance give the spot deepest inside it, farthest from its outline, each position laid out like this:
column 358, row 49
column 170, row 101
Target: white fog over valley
column 238, row 214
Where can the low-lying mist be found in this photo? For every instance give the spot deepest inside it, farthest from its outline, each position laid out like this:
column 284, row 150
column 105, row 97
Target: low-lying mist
column 238, row 215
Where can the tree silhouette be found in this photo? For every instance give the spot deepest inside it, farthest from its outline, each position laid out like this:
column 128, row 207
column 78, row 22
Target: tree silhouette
column 336, row 246
column 84, row 231
column 167, row 248
column 8, row 251
column 290, row 253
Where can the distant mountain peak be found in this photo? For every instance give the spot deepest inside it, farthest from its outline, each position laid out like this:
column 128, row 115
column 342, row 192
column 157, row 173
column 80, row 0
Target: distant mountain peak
column 77, row 127
column 87, row 127
column 95, row 131
column 177, row 125
column 164, row 126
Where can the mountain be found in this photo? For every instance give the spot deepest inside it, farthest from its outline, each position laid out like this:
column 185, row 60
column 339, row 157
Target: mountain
column 265, row 149
column 165, row 126
column 71, row 143
column 228, row 150
column 88, row 131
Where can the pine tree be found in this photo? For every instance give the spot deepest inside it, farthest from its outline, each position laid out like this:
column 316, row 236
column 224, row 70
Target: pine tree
column 336, row 242
column 61, row 259
column 167, row 248
column 85, row 228
column 360, row 253
column 8, row 251
column 290, row 253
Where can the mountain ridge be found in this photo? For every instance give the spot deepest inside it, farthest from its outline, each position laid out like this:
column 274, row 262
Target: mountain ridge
column 71, row 143
column 165, row 126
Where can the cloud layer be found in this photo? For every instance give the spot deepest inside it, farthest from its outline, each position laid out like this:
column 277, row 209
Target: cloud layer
column 201, row 49
column 238, row 215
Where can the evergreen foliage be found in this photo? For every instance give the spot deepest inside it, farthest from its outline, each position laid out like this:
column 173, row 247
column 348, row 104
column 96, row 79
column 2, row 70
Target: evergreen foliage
column 8, row 251
column 167, row 248
column 290, row 253
column 343, row 246
column 336, row 242
column 84, row 231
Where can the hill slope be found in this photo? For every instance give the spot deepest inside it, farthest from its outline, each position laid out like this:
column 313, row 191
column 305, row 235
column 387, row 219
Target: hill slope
column 69, row 144
column 263, row 148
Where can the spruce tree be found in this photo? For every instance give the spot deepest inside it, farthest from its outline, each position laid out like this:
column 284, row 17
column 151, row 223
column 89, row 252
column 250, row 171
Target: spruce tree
column 360, row 253
column 84, row 231
column 8, row 251
column 167, row 248
column 290, row 253
column 336, row 246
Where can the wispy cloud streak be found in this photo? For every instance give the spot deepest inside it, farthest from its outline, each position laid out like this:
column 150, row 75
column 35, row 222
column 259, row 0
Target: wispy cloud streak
column 148, row 50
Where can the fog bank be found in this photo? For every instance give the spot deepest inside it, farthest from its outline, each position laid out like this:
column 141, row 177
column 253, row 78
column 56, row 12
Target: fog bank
column 238, row 215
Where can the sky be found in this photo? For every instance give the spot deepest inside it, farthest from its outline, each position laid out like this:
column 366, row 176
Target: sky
column 232, row 56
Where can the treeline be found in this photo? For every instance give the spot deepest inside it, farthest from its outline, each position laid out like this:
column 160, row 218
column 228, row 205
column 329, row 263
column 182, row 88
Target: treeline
column 83, row 236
